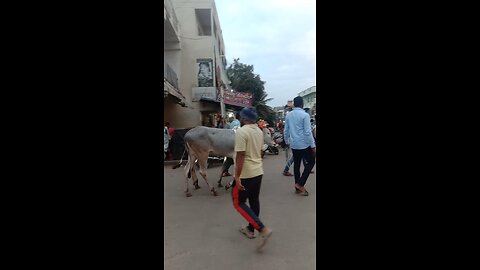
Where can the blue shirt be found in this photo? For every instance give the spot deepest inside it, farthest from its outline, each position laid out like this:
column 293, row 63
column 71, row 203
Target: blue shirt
column 298, row 130
column 234, row 123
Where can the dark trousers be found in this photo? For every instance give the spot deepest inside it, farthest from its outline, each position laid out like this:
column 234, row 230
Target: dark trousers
column 227, row 164
column 251, row 192
column 298, row 155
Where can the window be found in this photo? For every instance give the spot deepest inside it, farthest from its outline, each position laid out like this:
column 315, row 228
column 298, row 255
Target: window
column 204, row 22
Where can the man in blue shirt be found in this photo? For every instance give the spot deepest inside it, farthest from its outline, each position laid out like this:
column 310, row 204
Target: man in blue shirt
column 229, row 161
column 234, row 123
column 298, row 134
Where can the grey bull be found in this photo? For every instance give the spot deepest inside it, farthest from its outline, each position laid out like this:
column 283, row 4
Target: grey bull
column 200, row 142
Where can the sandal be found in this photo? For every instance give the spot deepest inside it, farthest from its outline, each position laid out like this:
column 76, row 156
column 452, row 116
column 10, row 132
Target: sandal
column 247, row 232
column 305, row 193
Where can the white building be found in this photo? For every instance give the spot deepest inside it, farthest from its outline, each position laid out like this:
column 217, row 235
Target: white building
column 309, row 96
column 172, row 50
column 194, row 57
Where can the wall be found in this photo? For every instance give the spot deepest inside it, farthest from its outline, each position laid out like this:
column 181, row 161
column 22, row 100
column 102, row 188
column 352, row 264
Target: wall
column 193, row 47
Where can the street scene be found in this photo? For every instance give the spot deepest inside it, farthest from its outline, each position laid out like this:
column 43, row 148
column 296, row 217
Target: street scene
column 240, row 101
column 201, row 232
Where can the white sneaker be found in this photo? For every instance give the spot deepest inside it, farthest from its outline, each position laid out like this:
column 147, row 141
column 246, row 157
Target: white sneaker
column 264, row 235
column 247, row 232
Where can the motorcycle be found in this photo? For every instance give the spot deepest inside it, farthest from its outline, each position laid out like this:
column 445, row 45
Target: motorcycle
column 271, row 148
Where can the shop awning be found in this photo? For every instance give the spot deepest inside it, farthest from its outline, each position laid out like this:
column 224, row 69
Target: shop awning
column 168, row 88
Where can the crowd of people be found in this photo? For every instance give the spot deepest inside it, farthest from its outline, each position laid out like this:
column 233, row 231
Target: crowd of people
column 298, row 135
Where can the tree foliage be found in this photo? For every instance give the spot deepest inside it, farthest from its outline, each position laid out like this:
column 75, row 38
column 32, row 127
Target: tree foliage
column 243, row 79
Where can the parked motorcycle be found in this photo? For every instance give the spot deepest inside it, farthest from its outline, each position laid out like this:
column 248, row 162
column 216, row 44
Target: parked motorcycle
column 272, row 148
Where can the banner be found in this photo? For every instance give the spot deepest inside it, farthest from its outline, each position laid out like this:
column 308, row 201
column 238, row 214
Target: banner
column 205, row 73
column 237, row 98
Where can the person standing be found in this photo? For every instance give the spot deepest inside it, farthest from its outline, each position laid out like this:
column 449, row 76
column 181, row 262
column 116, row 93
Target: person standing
column 222, row 123
column 248, row 175
column 171, row 131
column 298, row 134
column 166, row 140
column 234, row 123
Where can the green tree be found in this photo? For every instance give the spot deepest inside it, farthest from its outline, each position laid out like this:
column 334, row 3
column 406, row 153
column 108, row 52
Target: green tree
column 243, row 79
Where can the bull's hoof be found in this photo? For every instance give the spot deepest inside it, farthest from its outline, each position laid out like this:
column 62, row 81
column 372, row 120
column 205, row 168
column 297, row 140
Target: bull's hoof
column 215, row 193
column 188, row 194
column 220, row 185
column 228, row 186
column 197, row 187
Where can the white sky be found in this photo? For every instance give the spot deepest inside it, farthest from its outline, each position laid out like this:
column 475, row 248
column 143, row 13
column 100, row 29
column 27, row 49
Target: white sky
column 277, row 37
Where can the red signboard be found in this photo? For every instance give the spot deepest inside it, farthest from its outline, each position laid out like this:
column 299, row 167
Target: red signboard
column 237, row 98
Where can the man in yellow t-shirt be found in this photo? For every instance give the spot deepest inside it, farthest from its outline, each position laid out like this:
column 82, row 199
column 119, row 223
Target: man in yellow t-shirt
column 248, row 175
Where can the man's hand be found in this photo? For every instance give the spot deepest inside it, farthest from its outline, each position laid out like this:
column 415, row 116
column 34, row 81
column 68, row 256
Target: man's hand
column 314, row 151
column 238, row 182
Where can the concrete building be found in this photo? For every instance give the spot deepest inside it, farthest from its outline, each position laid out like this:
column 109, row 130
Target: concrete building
column 172, row 50
column 279, row 113
column 309, row 96
column 195, row 63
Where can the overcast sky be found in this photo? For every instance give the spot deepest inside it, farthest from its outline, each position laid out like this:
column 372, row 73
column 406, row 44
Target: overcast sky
column 277, row 37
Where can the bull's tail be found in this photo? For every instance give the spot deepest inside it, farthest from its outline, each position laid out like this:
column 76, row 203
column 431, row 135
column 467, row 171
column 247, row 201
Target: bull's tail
column 181, row 160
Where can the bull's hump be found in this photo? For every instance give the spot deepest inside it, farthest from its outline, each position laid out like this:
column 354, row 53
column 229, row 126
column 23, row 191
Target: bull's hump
column 206, row 133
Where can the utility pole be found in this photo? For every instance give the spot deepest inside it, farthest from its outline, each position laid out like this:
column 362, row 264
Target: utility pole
column 222, row 103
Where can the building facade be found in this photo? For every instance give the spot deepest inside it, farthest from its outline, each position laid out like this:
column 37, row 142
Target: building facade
column 309, row 96
column 172, row 51
column 195, row 63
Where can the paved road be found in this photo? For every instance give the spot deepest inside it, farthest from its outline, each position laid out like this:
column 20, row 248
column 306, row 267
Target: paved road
column 201, row 232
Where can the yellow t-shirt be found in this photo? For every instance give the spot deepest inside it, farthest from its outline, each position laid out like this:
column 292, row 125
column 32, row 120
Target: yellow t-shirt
column 249, row 138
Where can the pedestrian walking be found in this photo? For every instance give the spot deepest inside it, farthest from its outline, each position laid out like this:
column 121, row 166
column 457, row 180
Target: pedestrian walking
column 286, row 170
column 298, row 134
column 248, row 175
column 288, row 158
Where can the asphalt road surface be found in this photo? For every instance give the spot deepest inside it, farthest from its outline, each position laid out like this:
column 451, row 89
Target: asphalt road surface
column 201, row 232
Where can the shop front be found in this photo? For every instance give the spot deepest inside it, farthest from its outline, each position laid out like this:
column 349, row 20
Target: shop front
column 234, row 103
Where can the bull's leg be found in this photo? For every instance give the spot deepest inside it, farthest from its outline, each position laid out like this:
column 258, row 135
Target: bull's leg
column 220, row 180
column 203, row 172
column 230, row 184
column 195, row 178
column 221, row 173
column 188, row 174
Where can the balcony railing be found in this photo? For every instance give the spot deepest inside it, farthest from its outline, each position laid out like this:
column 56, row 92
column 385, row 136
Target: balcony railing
column 170, row 75
column 171, row 13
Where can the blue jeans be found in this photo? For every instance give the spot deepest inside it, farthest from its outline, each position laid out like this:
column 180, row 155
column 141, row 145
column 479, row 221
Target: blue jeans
column 290, row 162
column 298, row 155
